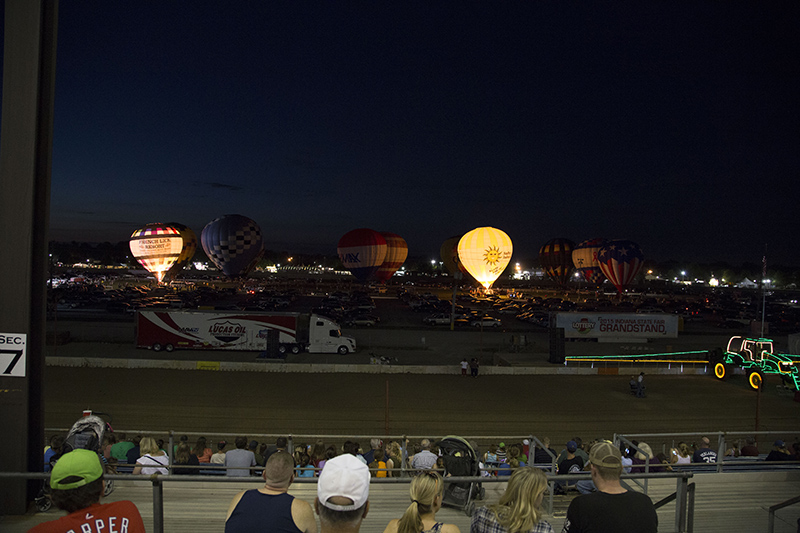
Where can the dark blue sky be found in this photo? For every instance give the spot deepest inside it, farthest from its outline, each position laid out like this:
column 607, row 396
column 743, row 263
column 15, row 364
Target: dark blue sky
column 673, row 124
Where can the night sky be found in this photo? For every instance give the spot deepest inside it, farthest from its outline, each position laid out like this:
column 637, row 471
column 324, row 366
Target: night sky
column 673, row 124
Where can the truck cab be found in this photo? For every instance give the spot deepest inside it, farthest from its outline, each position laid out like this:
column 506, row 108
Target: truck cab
column 750, row 349
column 325, row 336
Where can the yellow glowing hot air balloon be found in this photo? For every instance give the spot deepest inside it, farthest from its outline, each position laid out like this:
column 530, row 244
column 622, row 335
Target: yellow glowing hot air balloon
column 157, row 247
column 485, row 253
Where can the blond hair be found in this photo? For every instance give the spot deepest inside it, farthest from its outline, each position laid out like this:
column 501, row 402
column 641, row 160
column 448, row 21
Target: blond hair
column 517, row 509
column 424, row 489
column 149, row 446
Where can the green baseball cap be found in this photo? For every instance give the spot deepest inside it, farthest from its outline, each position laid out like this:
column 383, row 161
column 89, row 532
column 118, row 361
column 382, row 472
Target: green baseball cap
column 76, row 469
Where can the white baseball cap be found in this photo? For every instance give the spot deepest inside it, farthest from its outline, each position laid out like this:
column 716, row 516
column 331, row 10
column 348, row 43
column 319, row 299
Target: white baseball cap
column 344, row 476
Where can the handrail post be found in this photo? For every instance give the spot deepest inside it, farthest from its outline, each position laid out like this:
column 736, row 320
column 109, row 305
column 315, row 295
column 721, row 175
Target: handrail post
column 403, row 456
column 158, row 505
column 680, row 505
column 690, row 508
column 171, row 448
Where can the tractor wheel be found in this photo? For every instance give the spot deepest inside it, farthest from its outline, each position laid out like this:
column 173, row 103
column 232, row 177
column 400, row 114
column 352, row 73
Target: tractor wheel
column 755, row 379
column 721, row 370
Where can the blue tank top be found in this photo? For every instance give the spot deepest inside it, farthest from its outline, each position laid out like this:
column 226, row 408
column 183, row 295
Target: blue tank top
column 262, row 513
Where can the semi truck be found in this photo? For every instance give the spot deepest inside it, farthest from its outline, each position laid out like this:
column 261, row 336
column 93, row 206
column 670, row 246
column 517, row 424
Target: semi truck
column 757, row 357
column 233, row 330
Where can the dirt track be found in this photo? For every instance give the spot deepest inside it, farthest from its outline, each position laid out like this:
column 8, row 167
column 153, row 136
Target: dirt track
column 560, row 407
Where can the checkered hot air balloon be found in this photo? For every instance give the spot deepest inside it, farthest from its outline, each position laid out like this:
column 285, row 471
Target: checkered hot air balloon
column 485, row 253
column 233, row 243
column 556, row 259
column 584, row 257
column 396, row 253
column 362, row 251
column 620, row 261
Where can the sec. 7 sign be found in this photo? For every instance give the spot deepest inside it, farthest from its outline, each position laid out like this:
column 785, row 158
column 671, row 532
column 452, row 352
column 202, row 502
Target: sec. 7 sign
column 12, row 354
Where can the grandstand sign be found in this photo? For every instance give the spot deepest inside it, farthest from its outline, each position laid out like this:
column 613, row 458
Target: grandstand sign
column 12, row 354
column 617, row 326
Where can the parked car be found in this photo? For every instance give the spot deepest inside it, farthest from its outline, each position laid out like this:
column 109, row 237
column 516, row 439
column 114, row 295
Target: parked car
column 437, row 319
column 362, row 320
column 486, row 322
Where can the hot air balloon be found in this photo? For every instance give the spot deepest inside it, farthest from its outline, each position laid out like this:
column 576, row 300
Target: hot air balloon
column 584, row 257
column 620, row 261
column 187, row 253
column 233, row 243
column 362, row 251
column 157, row 247
column 485, row 253
column 396, row 253
column 556, row 259
column 449, row 254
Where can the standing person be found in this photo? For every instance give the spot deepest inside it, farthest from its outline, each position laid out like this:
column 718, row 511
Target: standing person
column 271, row 508
column 640, row 385
column 240, row 460
column 77, row 485
column 704, row 454
column 464, row 365
column 342, row 500
column 612, row 507
column 427, row 492
column 153, row 460
column 474, row 364
column 518, row 508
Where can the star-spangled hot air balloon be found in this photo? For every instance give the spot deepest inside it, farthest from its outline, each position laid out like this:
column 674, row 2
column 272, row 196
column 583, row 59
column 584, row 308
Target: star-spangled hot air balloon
column 396, row 253
column 362, row 252
column 157, row 247
column 556, row 259
column 233, row 243
column 485, row 253
column 187, row 253
column 620, row 261
column 584, row 257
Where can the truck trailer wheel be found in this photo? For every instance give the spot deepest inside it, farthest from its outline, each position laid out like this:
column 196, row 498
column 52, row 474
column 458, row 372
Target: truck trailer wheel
column 169, row 347
column 755, row 379
column 721, row 370
column 343, row 350
column 157, row 347
column 295, row 349
column 282, row 349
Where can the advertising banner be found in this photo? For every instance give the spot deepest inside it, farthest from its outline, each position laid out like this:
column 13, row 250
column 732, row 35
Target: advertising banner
column 617, row 326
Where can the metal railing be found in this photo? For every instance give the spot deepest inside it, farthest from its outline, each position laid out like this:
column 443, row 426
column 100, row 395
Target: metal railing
column 778, row 507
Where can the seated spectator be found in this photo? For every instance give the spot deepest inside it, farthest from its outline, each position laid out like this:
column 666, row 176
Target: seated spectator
column 374, row 444
column 645, row 457
column 572, row 464
column 427, row 492
column 749, row 449
column 240, row 460
column 490, row 457
column 253, row 447
column 183, row 438
column 515, row 457
column 305, row 468
column 185, row 458
column 77, row 485
column 119, row 451
column 133, row 454
column 317, row 453
column 330, row 453
column 733, row 451
column 395, row 460
column 779, row 452
column 202, row 452
column 378, row 466
column 219, row 456
column 153, row 460
column 351, row 448
column 271, row 508
column 664, row 462
column 704, row 454
column 501, row 452
column 682, row 455
column 109, row 440
column 544, row 455
column 579, row 452
column 626, row 458
column 518, row 508
column 52, row 453
column 342, row 500
column 425, row 459
column 280, row 446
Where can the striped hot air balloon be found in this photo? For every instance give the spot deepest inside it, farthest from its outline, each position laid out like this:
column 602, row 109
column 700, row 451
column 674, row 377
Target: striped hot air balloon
column 584, row 257
column 556, row 259
column 157, row 247
column 620, row 261
column 233, row 243
column 485, row 253
column 396, row 253
column 362, row 251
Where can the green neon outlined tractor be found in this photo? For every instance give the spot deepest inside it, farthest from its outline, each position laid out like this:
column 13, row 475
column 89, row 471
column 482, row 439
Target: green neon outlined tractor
column 756, row 357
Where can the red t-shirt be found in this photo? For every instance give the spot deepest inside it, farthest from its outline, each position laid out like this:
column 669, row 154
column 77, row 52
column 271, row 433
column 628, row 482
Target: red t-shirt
column 114, row 517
